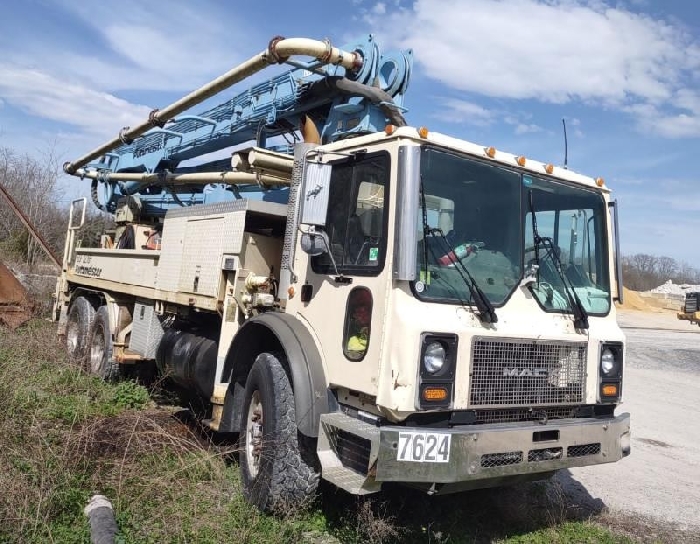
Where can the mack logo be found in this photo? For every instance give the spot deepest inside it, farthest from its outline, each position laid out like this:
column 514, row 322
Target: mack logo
column 525, row 372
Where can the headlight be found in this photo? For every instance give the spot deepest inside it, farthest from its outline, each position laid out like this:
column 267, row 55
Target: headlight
column 608, row 364
column 434, row 357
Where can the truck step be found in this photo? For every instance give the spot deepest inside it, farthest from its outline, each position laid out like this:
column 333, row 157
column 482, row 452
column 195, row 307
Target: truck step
column 347, row 449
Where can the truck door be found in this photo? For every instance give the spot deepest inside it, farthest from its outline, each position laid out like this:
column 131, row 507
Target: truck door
column 348, row 286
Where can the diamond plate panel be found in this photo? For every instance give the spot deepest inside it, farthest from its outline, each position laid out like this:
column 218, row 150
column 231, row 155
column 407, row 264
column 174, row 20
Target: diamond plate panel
column 202, row 210
column 170, row 263
column 146, row 331
column 194, row 241
column 206, row 240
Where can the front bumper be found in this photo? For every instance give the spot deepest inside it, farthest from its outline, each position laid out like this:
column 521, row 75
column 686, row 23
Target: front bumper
column 493, row 452
column 689, row 316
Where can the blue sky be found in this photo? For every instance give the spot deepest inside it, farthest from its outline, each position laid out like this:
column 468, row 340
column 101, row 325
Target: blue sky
column 625, row 75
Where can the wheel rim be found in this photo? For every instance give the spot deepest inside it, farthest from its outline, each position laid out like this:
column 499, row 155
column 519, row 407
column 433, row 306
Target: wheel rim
column 254, row 431
column 97, row 350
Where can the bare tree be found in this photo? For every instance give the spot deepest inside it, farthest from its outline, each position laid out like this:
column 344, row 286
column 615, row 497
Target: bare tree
column 32, row 184
column 666, row 267
column 642, row 272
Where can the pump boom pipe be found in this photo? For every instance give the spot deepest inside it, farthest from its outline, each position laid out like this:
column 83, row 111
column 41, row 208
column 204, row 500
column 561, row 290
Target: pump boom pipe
column 278, row 51
column 197, row 178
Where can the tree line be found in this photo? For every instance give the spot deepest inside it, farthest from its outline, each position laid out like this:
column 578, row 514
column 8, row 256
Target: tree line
column 642, row 272
column 32, row 183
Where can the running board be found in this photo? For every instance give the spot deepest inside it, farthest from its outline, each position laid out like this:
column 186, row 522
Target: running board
column 348, row 450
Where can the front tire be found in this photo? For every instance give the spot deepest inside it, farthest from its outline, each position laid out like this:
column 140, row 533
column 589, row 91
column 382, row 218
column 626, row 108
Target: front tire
column 100, row 356
column 278, row 469
column 80, row 319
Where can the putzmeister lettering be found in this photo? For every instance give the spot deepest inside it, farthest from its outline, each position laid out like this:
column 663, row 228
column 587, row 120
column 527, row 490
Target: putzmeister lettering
column 93, row 271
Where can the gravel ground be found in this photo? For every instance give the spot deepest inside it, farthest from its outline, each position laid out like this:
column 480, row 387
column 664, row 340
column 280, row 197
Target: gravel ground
column 660, row 480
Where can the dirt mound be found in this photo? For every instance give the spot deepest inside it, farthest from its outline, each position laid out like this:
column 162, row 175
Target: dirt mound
column 134, row 434
column 15, row 307
column 632, row 300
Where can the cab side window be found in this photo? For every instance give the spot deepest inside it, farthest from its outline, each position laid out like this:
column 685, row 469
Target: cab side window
column 358, row 323
column 356, row 220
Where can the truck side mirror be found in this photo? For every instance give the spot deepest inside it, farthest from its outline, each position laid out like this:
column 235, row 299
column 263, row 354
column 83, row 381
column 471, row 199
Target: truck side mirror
column 613, row 207
column 315, row 242
column 314, row 193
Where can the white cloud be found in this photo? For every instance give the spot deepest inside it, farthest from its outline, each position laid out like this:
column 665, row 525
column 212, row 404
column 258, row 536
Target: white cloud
column 41, row 94
column 454, row 110
column 145, row 48
column 651, row 118
column 148, row 48
column 554, row 51
column 379, row 8
column 522, row 128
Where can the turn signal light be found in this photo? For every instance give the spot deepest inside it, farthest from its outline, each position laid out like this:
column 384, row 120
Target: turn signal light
column 423, row 132
column 549, row 168
column 490, row 151
column 433, row 394
column 290, row 291
column 521, row 160
column 609, row 390
column 599, row 182
column 389, row 130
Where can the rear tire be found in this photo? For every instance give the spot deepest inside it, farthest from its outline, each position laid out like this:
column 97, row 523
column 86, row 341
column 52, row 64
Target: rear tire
column 100, row 355
column 279, row 468
column 81, row 316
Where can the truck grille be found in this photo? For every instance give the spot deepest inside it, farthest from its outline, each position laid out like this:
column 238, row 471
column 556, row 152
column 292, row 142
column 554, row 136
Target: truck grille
column 692, row 302
column 509, row 415
column 520, row 372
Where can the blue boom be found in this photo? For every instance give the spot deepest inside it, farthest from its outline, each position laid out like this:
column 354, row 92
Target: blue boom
column 340, row 102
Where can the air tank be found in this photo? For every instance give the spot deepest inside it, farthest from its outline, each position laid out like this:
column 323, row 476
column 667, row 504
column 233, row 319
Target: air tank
column 189, row 359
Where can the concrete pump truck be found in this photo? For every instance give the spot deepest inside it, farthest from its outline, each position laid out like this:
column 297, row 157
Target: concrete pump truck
column 360, row 300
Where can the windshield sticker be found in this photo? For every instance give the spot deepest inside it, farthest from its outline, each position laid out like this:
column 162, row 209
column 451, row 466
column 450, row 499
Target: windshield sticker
column 420, row 287
column 373, row 253
column 527, row 180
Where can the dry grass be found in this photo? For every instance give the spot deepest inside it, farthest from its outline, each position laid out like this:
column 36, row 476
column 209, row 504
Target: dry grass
column 66, row 436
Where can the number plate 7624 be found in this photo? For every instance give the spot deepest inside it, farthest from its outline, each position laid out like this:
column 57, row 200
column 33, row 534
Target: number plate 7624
column 424, row 447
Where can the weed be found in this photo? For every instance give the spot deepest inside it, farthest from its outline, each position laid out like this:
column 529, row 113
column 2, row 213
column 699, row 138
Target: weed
column 130, row 395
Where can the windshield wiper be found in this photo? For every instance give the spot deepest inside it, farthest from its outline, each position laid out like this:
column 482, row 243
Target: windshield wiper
column 577, row 309
column 487, row 313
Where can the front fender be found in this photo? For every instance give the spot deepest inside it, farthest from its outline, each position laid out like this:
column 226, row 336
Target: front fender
column 270, row 332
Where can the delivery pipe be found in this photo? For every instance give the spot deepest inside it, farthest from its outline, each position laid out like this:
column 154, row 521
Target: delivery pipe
column 278, row 51
column 267, row 160
column 200, row 178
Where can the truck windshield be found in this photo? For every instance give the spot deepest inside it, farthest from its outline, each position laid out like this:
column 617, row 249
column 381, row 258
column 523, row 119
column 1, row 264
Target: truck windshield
column 572, row 222
column 469, row 212
column 472, row 212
